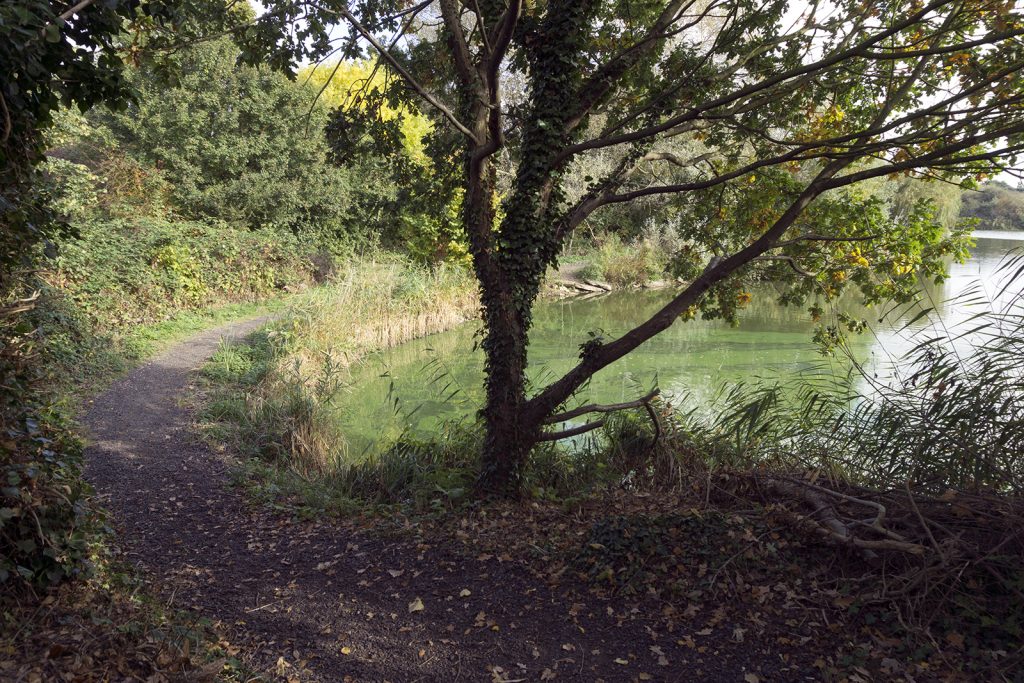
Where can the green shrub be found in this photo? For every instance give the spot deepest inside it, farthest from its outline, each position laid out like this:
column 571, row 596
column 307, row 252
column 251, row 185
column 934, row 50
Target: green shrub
column 121, row 273
column 236, row 143
column 44, row 522
column 624, row 265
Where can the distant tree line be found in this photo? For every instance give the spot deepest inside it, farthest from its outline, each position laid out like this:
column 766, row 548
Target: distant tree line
column 996, row 205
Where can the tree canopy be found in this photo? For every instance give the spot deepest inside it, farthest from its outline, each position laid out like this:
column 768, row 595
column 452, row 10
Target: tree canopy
column 239, row 143
column 759, row 117
column 406, row 194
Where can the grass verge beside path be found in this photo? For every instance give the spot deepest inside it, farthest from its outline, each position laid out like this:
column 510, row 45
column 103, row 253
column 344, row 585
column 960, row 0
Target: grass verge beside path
column 80, row 366
column 150, row 340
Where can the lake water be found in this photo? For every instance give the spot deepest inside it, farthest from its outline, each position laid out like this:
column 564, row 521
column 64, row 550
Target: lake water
column 417, row 386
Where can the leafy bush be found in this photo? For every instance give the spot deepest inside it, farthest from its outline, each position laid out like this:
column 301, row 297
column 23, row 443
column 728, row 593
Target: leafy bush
column 625, row 265
column 237, row 143
column 88, row 176
column 122, row 273
column 44, row 522
column 410, row 194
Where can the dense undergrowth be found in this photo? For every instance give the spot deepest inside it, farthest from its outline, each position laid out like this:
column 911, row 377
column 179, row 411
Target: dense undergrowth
column 126, row 284
column 623, row 263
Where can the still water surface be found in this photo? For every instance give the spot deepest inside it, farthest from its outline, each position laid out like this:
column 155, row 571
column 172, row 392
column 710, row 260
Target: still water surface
column 418, row 385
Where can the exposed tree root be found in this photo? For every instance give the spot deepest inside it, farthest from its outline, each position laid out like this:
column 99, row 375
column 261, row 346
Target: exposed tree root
column 929, row 557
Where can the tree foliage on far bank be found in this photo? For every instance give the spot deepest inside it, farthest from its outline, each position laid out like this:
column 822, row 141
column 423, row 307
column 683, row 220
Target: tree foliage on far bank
column 409, row 192
column 996, row 205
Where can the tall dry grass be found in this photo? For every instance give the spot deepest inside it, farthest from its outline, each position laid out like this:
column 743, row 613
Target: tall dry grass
column 376, row 304
column 289, row 374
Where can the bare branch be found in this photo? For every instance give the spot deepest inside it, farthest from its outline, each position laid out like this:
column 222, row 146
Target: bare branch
column 460, row 49
column 67, row 14
column 8, row 125
column 811, row 237
column 788, row 259
column 575, row 431
column 404, row 73
column 598, row 85
column 596, row 408
column 754, row 88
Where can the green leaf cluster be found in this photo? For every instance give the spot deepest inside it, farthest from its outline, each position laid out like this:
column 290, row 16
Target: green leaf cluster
column 236, row 143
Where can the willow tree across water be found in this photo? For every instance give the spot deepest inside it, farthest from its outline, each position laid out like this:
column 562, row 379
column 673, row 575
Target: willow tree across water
column 754, row 120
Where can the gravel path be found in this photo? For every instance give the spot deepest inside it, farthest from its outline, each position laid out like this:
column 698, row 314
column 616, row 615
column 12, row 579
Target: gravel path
column 311, row 602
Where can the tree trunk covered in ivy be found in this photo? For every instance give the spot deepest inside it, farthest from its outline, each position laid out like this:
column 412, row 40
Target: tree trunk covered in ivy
column 525, row 243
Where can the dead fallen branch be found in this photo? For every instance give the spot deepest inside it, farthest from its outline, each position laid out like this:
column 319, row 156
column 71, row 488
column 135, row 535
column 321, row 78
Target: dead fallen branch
column 643, row 402
column 826, row 520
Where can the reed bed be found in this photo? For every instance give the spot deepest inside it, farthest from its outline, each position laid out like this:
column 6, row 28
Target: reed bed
column 947, row 415
column 377, row 304
column 277, row 392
